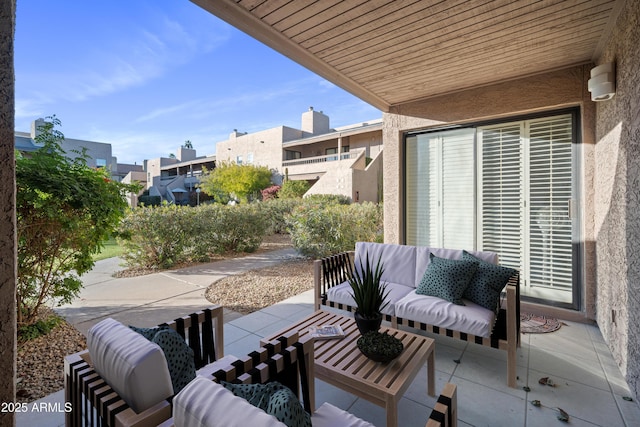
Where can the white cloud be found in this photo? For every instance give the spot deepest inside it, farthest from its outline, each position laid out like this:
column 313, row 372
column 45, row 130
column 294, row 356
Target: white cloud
column 115, row 64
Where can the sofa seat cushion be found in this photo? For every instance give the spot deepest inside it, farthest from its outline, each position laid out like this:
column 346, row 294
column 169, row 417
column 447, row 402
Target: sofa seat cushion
column 399, row 261
column 341, row 294
column 328, row 415
column 207, row 371
column 470, row 318
column 204, row 403
column 132, row 365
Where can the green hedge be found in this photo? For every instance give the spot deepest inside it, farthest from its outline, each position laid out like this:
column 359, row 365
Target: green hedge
column 319, row 231
column 165, row 236
column 162, row 237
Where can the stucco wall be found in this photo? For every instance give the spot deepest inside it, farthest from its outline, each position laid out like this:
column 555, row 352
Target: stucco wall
column 95, row 150
column 8, row 245
column 266, row 147
column 540, row 93
column 617, row 202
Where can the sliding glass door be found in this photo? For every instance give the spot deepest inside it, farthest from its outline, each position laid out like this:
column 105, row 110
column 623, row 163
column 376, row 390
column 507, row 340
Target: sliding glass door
column 508, row 188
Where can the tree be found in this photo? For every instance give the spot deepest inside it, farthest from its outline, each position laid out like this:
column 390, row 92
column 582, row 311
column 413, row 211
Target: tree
column 188, row 144
column 241, row 181
column 65, row 211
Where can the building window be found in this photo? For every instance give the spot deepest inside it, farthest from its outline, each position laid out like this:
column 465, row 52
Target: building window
column 292, row 155
column 250, row 158
column 101, row 163
column 238, row 160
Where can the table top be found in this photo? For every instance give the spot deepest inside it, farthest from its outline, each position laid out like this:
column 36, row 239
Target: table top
column 342, row 356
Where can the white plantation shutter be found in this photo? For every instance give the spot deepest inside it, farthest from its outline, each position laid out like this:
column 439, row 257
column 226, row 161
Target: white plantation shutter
column 421, row 190
column 513, row 195
column 457, row 190
column 550, row 185
column 440, row 189
column 501, row 182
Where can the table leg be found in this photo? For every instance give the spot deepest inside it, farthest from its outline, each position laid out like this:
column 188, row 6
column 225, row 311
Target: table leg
column 431, row 374
column 392, row 413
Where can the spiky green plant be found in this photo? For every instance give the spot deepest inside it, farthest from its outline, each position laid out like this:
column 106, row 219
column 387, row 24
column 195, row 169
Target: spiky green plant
column 369, row 292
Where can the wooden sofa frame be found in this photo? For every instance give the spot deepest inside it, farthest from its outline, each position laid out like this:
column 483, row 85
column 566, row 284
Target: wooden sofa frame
column 94, row 402
column 336, row 269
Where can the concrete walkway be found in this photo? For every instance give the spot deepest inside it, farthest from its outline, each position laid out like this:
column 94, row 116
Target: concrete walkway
column 155, row 298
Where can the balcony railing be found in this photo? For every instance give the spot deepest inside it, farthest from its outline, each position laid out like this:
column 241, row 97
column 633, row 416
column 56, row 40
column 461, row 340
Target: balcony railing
column 322, row 159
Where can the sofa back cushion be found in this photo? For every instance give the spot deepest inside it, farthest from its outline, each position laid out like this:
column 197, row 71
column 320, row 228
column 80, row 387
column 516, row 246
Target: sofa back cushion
column 399, row 261
column 134, row 367
column 422, row 258
column 204, row 403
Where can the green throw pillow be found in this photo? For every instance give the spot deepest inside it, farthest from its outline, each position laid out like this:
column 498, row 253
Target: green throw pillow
column 179, row 356
column 274, row 399
column 488, row 282
column 447, row 278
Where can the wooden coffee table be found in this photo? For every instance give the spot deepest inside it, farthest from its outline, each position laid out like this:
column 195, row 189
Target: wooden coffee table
column 339, row 362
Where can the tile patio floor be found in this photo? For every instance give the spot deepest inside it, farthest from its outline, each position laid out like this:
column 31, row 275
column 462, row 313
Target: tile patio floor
column 590, row 386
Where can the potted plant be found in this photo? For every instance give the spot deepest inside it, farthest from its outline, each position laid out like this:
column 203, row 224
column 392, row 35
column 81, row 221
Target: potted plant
column 370, row 295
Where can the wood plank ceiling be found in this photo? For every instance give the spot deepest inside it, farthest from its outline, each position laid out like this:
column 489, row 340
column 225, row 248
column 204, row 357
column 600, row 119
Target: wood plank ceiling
column 393, row 52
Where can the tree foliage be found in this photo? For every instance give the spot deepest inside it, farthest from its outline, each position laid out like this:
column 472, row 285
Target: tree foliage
column 65, row 211
column 241, row 181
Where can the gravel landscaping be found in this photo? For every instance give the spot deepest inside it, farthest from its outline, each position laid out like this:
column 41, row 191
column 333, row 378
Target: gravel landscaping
column 41, row 361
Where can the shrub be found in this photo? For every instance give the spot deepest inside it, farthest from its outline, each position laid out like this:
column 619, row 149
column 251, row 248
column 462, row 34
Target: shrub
column 65, row 211
column 277, row 211
column 319, row 231
column 158, row 237
column 270, row 193
column 328, row 199
column 293, row 189
column 150, row 200
column 239, row 228
column 161, row 237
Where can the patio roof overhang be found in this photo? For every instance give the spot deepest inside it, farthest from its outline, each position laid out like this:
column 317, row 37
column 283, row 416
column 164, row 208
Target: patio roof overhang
column 390, row 53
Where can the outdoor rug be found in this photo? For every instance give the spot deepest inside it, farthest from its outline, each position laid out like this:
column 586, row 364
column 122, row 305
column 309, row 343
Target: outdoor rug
column 536, row 324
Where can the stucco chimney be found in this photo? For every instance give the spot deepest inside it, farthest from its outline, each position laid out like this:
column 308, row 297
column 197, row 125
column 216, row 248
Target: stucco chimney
column 35, row 127
column 315, row 122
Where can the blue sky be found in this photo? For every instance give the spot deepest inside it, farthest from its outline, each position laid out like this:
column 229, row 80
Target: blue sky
column 147, row 75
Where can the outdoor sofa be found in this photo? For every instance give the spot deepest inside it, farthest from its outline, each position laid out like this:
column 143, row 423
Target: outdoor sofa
column 496, row 324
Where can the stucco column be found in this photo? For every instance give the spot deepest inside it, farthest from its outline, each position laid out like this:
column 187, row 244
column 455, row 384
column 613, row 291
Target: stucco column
column 339, row 148
column 8, row 264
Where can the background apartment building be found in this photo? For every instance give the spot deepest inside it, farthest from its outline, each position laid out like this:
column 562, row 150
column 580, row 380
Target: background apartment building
column 345, row 160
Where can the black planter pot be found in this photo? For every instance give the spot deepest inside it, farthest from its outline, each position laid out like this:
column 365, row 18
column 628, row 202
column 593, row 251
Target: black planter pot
column 367, row 325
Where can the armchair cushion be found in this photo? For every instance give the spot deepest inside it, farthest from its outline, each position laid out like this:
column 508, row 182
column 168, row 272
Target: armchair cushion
column 328, row 415
column 179, row 355
column 275, row 399
column 204, row 403
column 134, row 367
